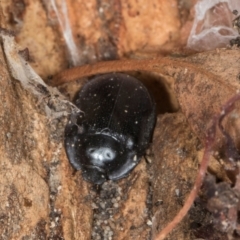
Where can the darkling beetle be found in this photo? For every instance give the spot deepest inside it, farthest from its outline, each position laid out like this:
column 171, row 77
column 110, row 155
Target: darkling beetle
column 110, row 134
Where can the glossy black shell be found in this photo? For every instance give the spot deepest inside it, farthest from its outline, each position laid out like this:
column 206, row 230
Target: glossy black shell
column 107, row 139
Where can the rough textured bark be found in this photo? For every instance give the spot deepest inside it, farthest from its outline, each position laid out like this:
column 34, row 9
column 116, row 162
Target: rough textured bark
column 41, row 196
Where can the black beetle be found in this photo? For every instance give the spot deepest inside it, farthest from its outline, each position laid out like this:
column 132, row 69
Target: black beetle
column 107, row 139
